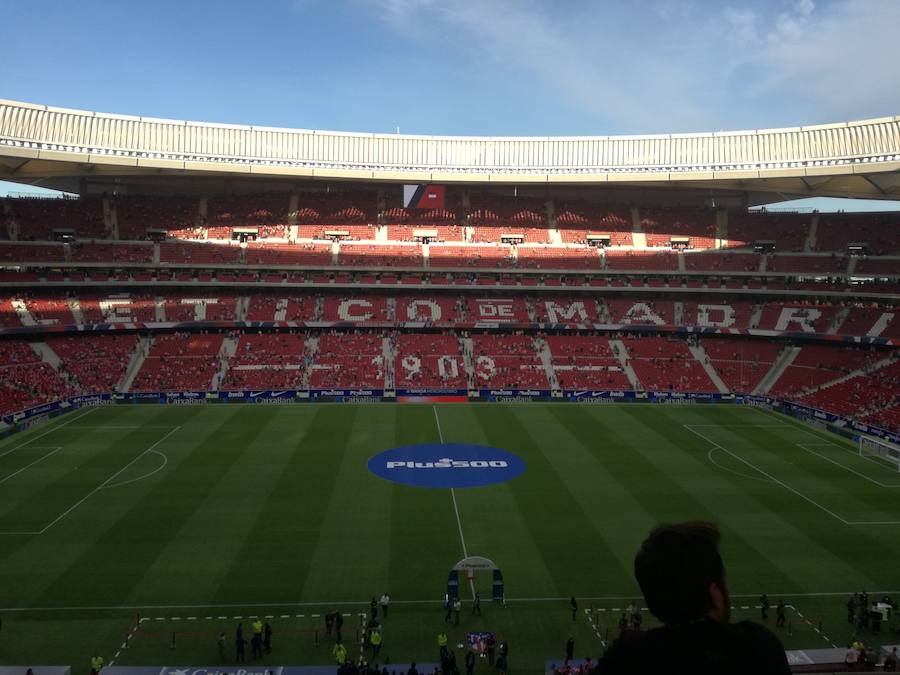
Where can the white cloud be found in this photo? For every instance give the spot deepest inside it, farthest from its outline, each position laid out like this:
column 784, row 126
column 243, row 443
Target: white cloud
column 676, row 65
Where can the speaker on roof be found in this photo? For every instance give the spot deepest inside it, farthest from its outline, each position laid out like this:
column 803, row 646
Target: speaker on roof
column 423, row 196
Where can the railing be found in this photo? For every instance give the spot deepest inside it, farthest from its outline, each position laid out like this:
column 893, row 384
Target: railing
column 851, row 144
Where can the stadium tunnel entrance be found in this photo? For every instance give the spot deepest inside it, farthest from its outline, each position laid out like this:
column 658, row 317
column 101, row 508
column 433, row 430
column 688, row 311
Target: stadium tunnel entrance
column 470, row 566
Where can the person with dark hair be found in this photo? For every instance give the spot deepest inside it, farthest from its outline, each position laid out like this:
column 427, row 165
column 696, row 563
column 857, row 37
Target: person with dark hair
column 682, row 577
column 573, row 604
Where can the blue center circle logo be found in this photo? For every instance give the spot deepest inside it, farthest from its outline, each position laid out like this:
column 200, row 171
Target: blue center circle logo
column 446, row 465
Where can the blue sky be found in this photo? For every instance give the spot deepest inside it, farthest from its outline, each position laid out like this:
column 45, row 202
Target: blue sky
column 500, row 67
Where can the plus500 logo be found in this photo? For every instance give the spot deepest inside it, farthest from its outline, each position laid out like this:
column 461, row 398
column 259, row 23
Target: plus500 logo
column 446, row 465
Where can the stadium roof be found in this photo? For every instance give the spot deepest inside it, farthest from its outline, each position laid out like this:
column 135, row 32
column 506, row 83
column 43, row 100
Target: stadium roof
column 58, row 147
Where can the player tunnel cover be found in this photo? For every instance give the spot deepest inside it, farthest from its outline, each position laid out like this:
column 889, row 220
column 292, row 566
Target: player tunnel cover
column 446, row 465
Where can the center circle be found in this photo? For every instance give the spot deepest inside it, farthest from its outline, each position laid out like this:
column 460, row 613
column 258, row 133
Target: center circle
column 446, row 465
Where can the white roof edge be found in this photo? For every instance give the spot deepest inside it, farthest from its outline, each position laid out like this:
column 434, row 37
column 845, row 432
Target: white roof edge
column 363, row 134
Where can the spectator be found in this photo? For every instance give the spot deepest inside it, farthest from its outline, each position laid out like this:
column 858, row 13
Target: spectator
column 682, row 577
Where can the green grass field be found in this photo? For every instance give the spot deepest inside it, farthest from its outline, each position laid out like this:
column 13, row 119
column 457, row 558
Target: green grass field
column 194, row 516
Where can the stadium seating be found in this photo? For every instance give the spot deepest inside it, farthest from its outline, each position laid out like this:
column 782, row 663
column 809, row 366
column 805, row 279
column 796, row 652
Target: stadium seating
column 199, row 244
column 362, row 255
column 586, row 362
column 663, row 364
column 348, row 360
column 269, row 253
column 569, row 311
column 428, row 361
column 179, row 361
column 281, row 308
column 817, row 365
column 52, row 310
column 406, row 232
column 662, row 261
column 38, row 218
column 506, row 211
column 25, row 380
column 225, row 212
column 741, row 364
column 183, row 252
column 96, row 364
column 858, row 396
column 878, row 266
column 576, row 220
column 660, row 225
column 118, row 308
column 105, row 252
column 641, row 312
column 357, row 308
column 787, row 230
column 178, row 215
column 200, row 308
column 339, row 208
column 721, row 262
column 878, row 230
column 266, row 361
column 492, row 309
column 798, row 317
column 469, row 256
column 506, row 361
column 554, row 257
column 32, row 252
column 428, row 309
column 811, row 264
column 883, row 321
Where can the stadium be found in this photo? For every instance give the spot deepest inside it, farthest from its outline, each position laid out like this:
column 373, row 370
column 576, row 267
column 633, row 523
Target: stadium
column 262, row 376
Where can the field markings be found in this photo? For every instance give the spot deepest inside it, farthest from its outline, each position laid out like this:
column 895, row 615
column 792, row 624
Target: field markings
column 49, row 431
column 462, row 537
column 788, row 487
column 822, row 440
column 53, row 451
column 102, row 485
column 709, row 456
column 844, row 466
column 162, row 466
column 365, row 603
column 131, row 427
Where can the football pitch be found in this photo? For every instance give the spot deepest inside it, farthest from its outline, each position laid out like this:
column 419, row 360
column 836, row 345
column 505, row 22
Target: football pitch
column 168, row 524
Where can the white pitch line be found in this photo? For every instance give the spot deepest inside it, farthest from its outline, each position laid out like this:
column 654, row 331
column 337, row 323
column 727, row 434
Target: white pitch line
column 105, row 427
column 104, row 483
column 162, row 466
column 28, row 466
column 49, row 431
column 754, row 426
column 844, row 466
column 788, row 487
column 462, row 537
column 430, row 601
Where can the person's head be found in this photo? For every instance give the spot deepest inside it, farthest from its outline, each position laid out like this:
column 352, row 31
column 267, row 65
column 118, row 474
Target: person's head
column 681, row 573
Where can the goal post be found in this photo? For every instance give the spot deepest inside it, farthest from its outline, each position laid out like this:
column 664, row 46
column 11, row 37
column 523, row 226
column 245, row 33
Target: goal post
column 889, row 453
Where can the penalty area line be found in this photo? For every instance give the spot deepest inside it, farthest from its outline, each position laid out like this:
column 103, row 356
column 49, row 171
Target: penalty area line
column 106, row 482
